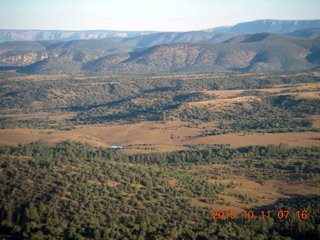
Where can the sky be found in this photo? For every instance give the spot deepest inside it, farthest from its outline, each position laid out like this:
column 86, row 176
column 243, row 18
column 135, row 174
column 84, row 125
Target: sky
column 140, row 15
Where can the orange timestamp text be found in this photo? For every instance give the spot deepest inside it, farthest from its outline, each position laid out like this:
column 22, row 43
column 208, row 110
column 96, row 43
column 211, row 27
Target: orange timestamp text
column 250, row 214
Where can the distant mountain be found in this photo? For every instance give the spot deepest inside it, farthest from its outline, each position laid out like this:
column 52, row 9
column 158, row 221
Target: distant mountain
column 245, row 53
column 155, row 39
column 249, row 53
column 269, row 25
column 221, row 34
column 7, row 35
column 144, row 39
column 262, row 45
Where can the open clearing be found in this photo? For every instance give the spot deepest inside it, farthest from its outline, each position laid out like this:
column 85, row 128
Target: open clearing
column 260, row 194
column 157, row 136
column 50, row 137
column 304, row 139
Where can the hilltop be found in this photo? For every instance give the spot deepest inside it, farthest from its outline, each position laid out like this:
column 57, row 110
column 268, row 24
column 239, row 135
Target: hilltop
column 245, row 53
column 249, row 53
column 262, row 45
column 217, row 33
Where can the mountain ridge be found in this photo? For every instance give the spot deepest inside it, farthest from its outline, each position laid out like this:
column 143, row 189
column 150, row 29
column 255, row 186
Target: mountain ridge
column 246, row 53
column 262, row 25
column 275, row 26
column 7, row 35
column 171, row 52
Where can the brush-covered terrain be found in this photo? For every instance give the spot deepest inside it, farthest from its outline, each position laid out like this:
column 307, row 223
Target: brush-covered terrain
column 73, row 191
column 191, row 144
column 258, row 46
column 246, row 53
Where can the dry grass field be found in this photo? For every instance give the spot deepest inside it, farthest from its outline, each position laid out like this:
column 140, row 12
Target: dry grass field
column 305, row 139
column 50, row 137
column 167, row 135
column 261, row 194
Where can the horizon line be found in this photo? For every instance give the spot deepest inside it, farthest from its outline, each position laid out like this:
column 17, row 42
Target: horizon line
column 154, row 31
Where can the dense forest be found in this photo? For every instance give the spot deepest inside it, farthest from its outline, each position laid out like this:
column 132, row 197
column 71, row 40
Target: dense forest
column 75, row 191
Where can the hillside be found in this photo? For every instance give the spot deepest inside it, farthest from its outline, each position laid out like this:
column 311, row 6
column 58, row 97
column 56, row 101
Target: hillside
column 251, row 53
column 307, row 33
column 150, row 40
column 196, row 147
column 24, row 53
column 245, row 53
column 73, row 191
column 261, row 45
column 257, row 52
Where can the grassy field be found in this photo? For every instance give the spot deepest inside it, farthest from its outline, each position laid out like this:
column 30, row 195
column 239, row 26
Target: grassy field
column 260, row 194
column 168, row 136
column 164, row 136
column 49, row 137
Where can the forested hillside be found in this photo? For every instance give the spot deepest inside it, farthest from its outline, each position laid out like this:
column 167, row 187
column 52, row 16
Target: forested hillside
column 165, row 53
column 73, row 191
column 178, row 156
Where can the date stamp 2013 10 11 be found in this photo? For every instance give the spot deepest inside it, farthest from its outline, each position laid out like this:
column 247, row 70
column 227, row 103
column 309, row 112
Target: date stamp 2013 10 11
column 250, row 214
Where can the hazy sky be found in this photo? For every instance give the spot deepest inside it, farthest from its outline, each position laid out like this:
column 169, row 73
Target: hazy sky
column 159, row 15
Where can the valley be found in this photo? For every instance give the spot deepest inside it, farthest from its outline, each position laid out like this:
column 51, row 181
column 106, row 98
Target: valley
column 147, row 135
column 190, row 144
column 133, row 115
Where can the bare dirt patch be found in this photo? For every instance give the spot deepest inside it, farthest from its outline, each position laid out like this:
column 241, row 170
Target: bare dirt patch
column 303, row 139
column 315, row 121
column 112, row 183
column 139, row 186
column 224, row 102
column 94, row 182
column 308, row 95
column 174, row 183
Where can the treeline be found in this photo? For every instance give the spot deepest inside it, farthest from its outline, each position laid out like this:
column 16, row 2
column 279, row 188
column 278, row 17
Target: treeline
column 74, row 191
column 94, row 90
